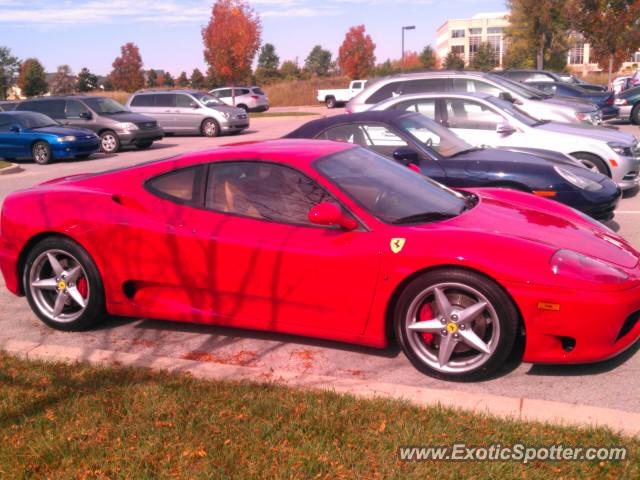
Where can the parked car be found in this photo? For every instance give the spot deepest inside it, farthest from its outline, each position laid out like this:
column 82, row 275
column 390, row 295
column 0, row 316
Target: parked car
column 629, row 103
column 34, row 135
column 635, row 78
column 7, row 106
column 413, row 139
column 604, row 100
column 620, row 84
column 250, row 99
column 189, row 111
column 527, row 76
column 327, row 240
column 115, row 124
column 339, row 96
column 534, row 102
column 483, row 119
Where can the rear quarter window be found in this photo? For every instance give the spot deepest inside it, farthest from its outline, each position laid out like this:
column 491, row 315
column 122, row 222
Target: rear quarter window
column 185, row 185
column 384, row 92
column 142, row 101
column 51, row 108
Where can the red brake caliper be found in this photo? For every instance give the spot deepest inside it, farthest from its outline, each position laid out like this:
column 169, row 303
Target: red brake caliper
column 82, row 287
column 426, row 314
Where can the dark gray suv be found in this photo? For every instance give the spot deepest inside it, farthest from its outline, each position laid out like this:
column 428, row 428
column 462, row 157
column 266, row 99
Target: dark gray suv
column 115, row 124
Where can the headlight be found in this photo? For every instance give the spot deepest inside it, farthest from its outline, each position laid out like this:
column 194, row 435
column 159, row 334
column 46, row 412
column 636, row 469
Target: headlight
column 568, row 263
column 578, row 180
column 126, row 126
column 620, row 102
column 68, row 138
column 620, row 149
column 226, row 114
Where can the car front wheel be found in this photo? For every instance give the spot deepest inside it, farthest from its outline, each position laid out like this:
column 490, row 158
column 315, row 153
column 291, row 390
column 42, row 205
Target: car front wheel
column 41, row 152
column 592, row 162
column 210, row 128
column 455, row 325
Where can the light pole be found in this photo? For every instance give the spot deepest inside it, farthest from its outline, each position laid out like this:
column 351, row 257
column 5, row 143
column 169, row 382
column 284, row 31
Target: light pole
column 408, row 27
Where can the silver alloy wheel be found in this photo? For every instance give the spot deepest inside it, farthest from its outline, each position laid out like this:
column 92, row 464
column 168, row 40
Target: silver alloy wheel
column 108, row 142
column 53, row 283
column 464, row 328
column 210, row 128
column 41, row 153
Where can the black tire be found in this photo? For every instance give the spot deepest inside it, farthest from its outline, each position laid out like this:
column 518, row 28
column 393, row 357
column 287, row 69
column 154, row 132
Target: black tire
column 243, row 107
column 84, row 156
column 143, row 145
column 210, row 128
column 501, row 340
column 592, row 162
column 94, row 310
column 330, row 102
column 41, row 153
column 635, row 115
column 109, row 142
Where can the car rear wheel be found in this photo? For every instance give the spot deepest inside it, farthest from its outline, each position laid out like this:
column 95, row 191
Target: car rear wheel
column 243, row 107
column 41, row 152
column 63, row 285
column 455, row 325
column 143, row 145
column 210, row 128
column 635, row 115
column 330, row 102
column 593, row 163
column 109, row 142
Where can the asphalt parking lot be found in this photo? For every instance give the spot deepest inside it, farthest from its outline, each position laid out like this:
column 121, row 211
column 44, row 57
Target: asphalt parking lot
column 611, row 384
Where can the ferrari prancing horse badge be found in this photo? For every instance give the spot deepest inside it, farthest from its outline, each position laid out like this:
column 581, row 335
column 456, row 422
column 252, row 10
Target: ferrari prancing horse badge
column 397, row 244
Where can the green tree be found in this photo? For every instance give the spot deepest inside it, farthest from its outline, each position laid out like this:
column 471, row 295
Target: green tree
column 197, row 79
column 484, row 59
column 540, row 28
column 289, row 70
column 318, row 62
column 168, row 80
column 87, row 81
column 32, row 79
column 268, row 61
column 63, row 81
column 183, row 81
column 9, row 66
column 453, row 62
column 385, row 69
column 428, row 57
column 152, row 79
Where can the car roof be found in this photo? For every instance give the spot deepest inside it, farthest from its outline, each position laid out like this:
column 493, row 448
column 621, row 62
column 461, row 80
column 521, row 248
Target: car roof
column 315, row 126
column 417, row 96
column 164, row 91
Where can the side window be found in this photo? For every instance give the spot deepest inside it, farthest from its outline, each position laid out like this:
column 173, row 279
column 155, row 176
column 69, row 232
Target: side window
column 263, row 191
column 386, row 91
column 142, row 101
column 74, row 108
column 225, row 93
column 185, row 185
column 470, row 115
column 424, row 86
column 426, row 107
column 242, row 91
column 539, row 77
column 51, row 108
column 356, row 85
column 184, row 101
column 546, row 87
column 5, row 123
column 165, row 100
column 468, row 85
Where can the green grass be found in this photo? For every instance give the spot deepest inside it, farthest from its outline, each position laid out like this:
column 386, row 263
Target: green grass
column 4, row 164
column 280, row 114
column 60, row 421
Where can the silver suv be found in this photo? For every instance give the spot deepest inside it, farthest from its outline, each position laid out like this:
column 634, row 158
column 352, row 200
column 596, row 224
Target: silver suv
column 250, row 99
column 189, row 111
column 534, row 102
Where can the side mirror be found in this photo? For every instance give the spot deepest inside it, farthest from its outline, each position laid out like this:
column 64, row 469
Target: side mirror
column 329, row 214
column 504, row 129
column 507, row 97
column 86, row 115
column 15, row 128
column 406, row 156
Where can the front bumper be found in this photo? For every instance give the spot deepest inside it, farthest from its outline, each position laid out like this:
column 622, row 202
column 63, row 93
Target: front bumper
column 598, row 205
column 590, row 326
column 627, row 172
column 135, row 137
column 74, row 149
column 235, row 124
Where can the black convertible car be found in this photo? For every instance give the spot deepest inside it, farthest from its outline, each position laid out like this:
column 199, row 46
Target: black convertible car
column 420, row 143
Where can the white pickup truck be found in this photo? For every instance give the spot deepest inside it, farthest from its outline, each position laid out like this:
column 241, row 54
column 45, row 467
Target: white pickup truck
column 331, row 98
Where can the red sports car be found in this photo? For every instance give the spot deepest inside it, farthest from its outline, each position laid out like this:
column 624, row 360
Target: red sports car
column 326, row 240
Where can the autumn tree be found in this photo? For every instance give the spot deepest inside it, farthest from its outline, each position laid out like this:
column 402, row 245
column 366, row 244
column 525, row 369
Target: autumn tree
column 197, row 79
column 540, row 28
column 183, row 80
column 289, row 70
column 231, row 40
column 453, row 61
column 356, row 55
column 127, row 71
column 410, row 63
column 9, row 66
column 484, row 58
column 152, row 79
column 87, row 81
column 268, row 61
column 62, row 82
column 318, row 62
column 32, row 78
column 612, row 29
column 428, row 57
column 168, row 80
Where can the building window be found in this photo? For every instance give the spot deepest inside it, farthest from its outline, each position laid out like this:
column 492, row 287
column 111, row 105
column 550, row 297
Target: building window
column 457, row 33
column 458, row 50
column 494, row 31
column 475, row 39
column 475, row 31
column 636, row 57
column 576, row 54
column 494, row 41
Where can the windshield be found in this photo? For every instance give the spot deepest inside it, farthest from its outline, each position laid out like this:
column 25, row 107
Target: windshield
column 519, row 88
column 35, row 120
column 432, row 134
column 514, row 111
column 105, row 106
column 388, row 190
column 207, row 99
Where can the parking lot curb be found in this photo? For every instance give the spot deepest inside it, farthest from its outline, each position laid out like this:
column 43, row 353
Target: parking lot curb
column 526, row 409
column 13, row 168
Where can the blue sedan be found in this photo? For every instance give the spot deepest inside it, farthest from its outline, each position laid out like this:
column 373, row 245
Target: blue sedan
column 34, row 135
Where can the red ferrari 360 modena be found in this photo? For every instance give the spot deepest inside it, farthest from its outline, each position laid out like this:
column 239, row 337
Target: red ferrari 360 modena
column 325, row 240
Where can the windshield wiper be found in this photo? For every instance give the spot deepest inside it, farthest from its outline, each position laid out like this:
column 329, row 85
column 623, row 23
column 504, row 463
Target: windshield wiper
column 541, row 122
column 467, row 150
column 423, row 218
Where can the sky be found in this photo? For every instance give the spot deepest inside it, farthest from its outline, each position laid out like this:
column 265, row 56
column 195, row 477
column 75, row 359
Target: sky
column 89, row 33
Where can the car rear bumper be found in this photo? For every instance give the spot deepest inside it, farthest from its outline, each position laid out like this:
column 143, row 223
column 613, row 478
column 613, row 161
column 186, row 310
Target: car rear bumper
column 136, row 137
column 625, row 112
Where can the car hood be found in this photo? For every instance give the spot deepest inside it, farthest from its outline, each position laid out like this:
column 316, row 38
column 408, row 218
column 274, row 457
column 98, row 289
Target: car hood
column 548, row 155
column 64, row 131
column 520, row 215
column 589, row 132
column 130, row 117
column 578, row 104
column 502, row 156
column 227, row 108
